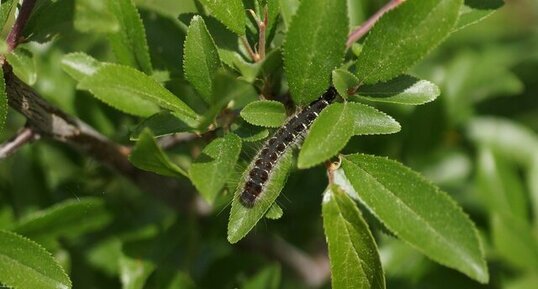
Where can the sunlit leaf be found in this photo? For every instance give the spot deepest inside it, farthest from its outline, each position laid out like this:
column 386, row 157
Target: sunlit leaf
column 25, row 264
column 401, row 90
column 475, row 11
column 353, row 253
column 417, row 212
column 200, row 58
column 231, row 13
column 508, row 138
column 514, row 241
column 23, row 65
column 315, row 45
column 422, row 25
column 265, row 113
column 133, row 92
column 500, row 186
column 79, row 65
column 134, row 273
column 243, row 219
column 275, row 212
column 336, row 125
column 129, row 42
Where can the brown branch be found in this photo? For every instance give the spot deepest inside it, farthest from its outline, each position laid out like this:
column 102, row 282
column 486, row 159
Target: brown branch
column 360, row 31
column 52, row 123
column 24, row 136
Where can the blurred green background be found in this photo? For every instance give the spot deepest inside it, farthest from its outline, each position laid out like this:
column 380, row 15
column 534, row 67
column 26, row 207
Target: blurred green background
column 478, row 141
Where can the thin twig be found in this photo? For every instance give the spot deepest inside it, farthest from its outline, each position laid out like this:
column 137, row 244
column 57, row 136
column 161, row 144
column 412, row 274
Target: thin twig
column 259, row 53
column 24, row 136
column 52, row 123
column 360, row 31
column 262, row 26
column 251, row 52
column 15, row 34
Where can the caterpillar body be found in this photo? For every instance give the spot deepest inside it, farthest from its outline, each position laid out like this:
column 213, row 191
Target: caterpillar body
column 291, row 133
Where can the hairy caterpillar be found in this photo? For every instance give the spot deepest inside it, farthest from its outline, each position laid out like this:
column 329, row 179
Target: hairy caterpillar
column 289, row 134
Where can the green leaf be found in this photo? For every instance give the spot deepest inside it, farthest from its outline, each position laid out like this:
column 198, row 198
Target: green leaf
column 343, row 80
column 243, row 219
column 148, row 156
column 160, row 124
column 79, row 65
column 3, row 102
column 25, row 264
column 200, row 58
column 70, row 218
column 288, row 8
column 268, row 278
column 471, row 77
column 231, row 13
column 404, row 89
column 211, row 170
column 266, row 113
column 23, row 64
column 500, row 186
column 532, row 183
column 250, row 133
column 132, row 91
column 168, row 8
column 228, row 88
column 336, row 125
column 526, row 282
column 353, row 253
column 505, row 137
column 417, row 212
column 275, row 212
column 475, row 11
column 6, row 10
column 252, row 71
column 94, row 16
column 48, row 19
column 315, row 45
column 422, row 25
column 129, row 43
column 134, row 272
column 515, row 242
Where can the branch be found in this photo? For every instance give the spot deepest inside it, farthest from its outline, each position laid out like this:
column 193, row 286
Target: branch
column 360, row 31
column 24, row 136
column 251, row 53
column 50, row 122
column 16, row 31
column 313, row 271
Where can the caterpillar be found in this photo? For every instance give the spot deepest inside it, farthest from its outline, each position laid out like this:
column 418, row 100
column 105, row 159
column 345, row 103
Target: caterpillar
column 289, row 134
